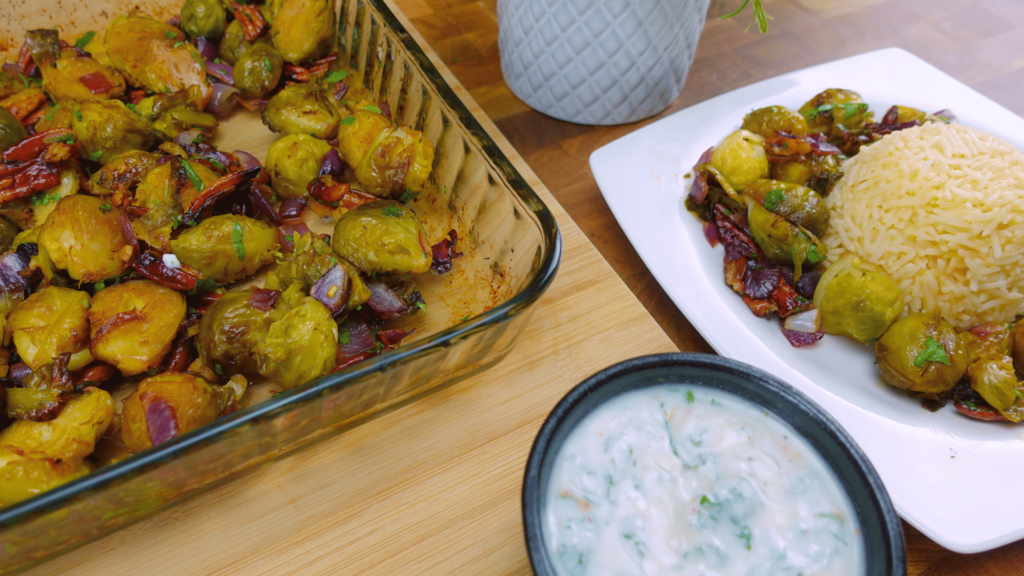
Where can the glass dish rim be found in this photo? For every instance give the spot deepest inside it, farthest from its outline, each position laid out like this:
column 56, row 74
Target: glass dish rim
column 54, row 499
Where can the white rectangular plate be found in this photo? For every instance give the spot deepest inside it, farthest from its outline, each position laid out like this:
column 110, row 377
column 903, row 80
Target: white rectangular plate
column 955, row 479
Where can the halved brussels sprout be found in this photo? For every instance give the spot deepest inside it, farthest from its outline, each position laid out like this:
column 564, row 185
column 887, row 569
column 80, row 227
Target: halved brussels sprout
column 44, row 205
column 302, row 109
column 69, row 437
column 229, row 332
column 308, row 261
column 741, row 158
column 166, row 406
column 258, row 71
column 798, row 204
column 857, row 299
column 83, row 235
column 834, row 110
column 156, row 56
column 49, row 323
column 293, row 162
column 203, row 18
column 765, row 122
column 921, row 354
column 995, row 380
column 107, row 128
column 382, row 236
column 301, row 343
column 133, row 324
column 81, row 79
column 123, row 172
column 301, row 29
column 233, row 44
column 227, row 247
column 399, row 160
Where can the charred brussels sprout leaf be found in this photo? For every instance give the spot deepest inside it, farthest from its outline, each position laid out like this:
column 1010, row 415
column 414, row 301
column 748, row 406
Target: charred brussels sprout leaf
column 134, row 324
column 293, row 162
column 382, row 236
column 210, row 247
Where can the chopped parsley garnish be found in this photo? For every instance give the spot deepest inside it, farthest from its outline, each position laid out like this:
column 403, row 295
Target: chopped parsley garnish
column 853, row 109
column 78, row 115
column 85, row 39
column 344, row 337
column 170, row 34
column 130, row 106
column 175, row 222
column 236, row 240
column 104, row 208
column 743, row 533
column 95, row 156
column 464, row 318
column 194, row 178
column 268, row 65
column 217, row 368
column 98, row 286
column 933, row 352
column 178, row 43
column 372, row 109
column 689, row 396
column 813, row 256
column 53, row 110
column 42, row 198
column 423, row 306
column 348, row 121
column 818, row 110
column 393, row 211
column 407, row 196
column 65, row 138
column 289, row 237
column 203, row 285
column 336, row 76
column 772, row 199
column 216, row 163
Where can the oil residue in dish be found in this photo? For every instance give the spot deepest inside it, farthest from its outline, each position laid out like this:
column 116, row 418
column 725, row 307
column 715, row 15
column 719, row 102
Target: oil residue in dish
column 690, row 480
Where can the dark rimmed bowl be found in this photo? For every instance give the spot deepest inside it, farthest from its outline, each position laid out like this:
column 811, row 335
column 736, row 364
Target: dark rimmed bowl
column 884, row 549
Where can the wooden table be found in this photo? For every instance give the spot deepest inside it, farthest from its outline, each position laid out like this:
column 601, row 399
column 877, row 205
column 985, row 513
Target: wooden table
column 433, row 487
column 979, row 42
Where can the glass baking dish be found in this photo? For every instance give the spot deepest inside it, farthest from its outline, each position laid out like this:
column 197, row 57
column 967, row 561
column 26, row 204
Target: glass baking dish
column 511, row 248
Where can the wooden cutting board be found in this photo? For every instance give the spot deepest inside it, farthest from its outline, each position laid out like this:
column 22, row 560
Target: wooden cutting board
column 430, row 488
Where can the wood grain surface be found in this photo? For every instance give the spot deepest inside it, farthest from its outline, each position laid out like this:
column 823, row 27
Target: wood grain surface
column 979, row 42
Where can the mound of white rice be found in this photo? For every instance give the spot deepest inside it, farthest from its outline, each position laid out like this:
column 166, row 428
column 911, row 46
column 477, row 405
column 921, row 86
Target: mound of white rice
column 940, row 207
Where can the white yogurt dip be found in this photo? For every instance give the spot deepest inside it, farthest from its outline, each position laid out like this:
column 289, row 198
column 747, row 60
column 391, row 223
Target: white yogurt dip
column 690, row 480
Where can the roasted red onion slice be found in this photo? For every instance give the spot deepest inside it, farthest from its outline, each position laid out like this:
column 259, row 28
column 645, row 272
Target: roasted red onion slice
column 263, row 299
column 260, row 196
column 385, row 302
column 160, row 419
column 247, row 162
column 223, row 100
column 151, row 265
column 222, row 72
column 291, row 209
column 206, row 49
column 801, row 339
column 444, row 252
column 96, row 83
column 332, row 289
column 332, row 165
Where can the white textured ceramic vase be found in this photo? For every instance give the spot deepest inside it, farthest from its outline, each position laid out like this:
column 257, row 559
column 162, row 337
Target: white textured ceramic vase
column 598, row 61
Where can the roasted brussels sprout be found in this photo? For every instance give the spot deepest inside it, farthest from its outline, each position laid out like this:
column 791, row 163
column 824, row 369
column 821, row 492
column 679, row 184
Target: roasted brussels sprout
column 187, row 195
column 38, row 397
column 12, row 130
column 782, row 241
column 400, row 160
column 81, row 79
column 108, row 128
column 23, row 478
column 229, row 332
column 834, row 111
column 233, row 44
column 988, row 341
column 302, row 109
column 857, row 299
column 358, row 133
column 765, row 122
column 301, row 29
column 156, row 56
column 174, row 121
column 157, row 186
column 258, row 71
column 907, row 114
column 819, row 173
column 51, row 322
column 301, row 343
column 308, row 261
column 166, row 406
column 83, row 235
column 921, row 354
column 9, row 84
column 133, row 324
column 798, row 204
column 69, row 437
column 45, row 203
column 995, row 380
column 204, row 18
column 123, row 172
column 227, row 247
column 741, row 158
column 382, row 236
column 293, row 162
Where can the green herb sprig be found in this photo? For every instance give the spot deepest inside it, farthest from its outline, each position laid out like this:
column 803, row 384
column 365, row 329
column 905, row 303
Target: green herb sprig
column 760, row 17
